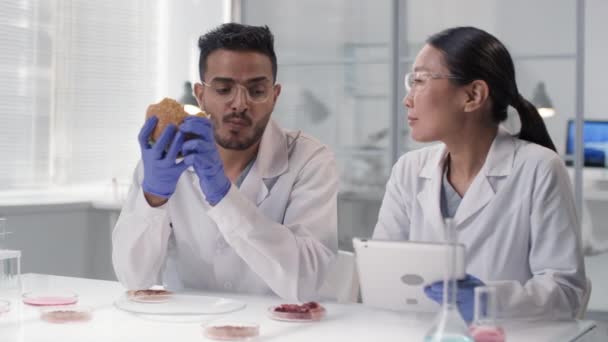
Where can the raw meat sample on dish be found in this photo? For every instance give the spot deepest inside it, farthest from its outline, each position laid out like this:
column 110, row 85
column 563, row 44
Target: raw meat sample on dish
column 311, row 311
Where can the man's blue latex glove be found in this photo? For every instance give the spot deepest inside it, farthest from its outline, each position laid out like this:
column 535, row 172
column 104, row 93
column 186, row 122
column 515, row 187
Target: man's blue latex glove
column 201, row 153
column 465, row 295
column 161, row 172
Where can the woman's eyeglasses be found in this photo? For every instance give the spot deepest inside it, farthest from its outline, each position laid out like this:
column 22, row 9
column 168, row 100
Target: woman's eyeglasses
column 419, row 79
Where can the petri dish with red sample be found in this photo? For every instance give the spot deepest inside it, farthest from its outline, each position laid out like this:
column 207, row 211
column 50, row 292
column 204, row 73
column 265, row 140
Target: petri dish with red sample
column 5, row 306
column 66, row 314
column 231, row 330
column 49, row 298
column 307, row 312
column 149, row 296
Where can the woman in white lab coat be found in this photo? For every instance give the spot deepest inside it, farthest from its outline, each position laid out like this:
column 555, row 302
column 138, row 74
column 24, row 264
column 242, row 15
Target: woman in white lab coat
column 509, row 196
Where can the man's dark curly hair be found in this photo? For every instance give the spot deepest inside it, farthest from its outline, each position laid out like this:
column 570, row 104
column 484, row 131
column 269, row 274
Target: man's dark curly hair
column 237, row 37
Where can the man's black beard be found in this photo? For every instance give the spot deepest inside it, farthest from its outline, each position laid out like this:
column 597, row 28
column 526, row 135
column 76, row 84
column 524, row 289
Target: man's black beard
column 258, row 131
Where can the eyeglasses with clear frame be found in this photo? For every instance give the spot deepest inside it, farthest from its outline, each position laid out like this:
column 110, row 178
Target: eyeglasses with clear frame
column 419, row 79
column 226, row 91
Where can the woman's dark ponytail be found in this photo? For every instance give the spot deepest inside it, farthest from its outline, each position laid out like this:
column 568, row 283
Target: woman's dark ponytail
column 473, row 54
column 533, row 127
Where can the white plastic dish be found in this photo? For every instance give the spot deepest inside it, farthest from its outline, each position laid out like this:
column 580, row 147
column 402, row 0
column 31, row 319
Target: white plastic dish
column 182, row 304
column 50, row 298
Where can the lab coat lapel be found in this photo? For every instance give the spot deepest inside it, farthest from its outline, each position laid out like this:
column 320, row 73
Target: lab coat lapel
column 270, row 163
column 429, row 197
column 253, row 187
column 477, row 196
column 499, row 163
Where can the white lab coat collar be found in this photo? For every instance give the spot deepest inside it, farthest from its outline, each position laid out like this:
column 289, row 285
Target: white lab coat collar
column 499, row 160
column 272, row 159
column 499, row 163
column 271, row 162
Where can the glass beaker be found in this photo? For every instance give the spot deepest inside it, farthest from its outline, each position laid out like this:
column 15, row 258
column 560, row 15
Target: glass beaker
column 485, row 327
column 449, row 326
column 3, row 232
column 10, row 269
column 10, row 274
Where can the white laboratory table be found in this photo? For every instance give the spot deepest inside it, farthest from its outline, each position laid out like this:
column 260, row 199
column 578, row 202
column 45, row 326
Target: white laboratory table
column 344, row 322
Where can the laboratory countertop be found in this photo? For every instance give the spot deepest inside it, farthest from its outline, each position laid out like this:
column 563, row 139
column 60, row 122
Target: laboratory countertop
column 343, row 322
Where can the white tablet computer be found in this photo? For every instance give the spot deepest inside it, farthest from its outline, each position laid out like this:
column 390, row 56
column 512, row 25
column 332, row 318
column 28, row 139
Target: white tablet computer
column 392, row 274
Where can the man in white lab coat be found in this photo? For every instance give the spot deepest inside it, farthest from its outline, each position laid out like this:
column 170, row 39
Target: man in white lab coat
column 509, row 197
column 251, row 208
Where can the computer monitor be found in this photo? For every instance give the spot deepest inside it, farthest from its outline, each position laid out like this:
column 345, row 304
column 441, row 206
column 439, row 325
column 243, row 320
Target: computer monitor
column 595, row 142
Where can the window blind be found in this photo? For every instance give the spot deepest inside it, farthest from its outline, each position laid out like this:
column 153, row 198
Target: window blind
column 77, row 78
column 25, row 92
column 106, row 75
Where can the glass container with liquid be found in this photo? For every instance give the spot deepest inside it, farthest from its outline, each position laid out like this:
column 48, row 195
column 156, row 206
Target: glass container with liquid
column 10, row 268
column 485, row 327
column 449, row 326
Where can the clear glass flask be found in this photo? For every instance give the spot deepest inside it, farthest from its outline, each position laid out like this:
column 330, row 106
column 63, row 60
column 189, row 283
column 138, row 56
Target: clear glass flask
column 449, row 326
column 10, row 269
column 485, row 327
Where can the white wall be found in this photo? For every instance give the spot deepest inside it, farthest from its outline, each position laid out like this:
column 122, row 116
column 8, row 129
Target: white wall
column 187, row 20
column 69, row 240
column 596, row 67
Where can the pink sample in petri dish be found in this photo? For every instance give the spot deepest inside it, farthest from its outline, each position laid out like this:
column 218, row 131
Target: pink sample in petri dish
column 231, row 331
column 5, row 306
column 50, row 298
column 66, row 314
column 487, row 334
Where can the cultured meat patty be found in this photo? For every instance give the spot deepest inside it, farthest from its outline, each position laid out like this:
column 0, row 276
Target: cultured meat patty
column 168, row 111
